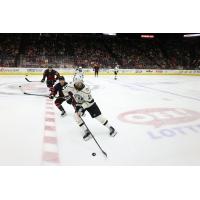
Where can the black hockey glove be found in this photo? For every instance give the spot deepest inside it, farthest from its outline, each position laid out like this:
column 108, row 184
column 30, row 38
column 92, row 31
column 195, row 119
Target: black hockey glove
column 80, row 111
column 68, row 99
column 51, row 96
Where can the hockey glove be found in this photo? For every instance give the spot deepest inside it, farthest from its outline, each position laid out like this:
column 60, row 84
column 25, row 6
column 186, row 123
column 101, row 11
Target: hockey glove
column 51, row 96
column 80, row 111
column 68, row 99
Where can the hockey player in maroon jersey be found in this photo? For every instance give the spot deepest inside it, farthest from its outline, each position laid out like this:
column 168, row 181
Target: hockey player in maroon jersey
column 51, row 75
column 60, row 99
column 96, row 70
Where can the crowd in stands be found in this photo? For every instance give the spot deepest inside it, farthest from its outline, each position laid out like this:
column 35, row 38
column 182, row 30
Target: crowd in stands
column 87, row 50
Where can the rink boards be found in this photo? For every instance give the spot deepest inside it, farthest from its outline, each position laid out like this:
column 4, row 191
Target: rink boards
column 102, row 71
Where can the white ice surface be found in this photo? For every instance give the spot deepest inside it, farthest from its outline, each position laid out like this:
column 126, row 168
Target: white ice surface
column 22, row 122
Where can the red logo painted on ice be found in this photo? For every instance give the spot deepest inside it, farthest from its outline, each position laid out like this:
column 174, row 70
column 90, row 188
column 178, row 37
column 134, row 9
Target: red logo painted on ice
column 158, row 117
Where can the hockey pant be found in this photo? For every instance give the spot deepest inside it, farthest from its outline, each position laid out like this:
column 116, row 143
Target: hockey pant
column 94, row 113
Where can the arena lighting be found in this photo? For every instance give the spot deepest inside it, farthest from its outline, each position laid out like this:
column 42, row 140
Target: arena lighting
column 147, row 36
column 110, row 34
column 192, row 35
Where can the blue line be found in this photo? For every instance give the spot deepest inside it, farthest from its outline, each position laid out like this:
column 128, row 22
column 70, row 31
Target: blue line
column 163, row 91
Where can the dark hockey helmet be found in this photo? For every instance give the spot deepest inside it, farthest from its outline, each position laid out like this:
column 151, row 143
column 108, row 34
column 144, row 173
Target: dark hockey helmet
column 61, row 78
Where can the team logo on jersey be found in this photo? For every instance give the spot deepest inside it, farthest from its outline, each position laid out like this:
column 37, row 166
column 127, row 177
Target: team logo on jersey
column 158, row 117
column 78, row 98
column 64, row 87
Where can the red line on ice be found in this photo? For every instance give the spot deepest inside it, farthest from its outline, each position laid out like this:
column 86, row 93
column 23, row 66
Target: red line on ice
column 48, row 119
column 51, row 140
column 50, row 157
column 49, row 128
column 50, row 113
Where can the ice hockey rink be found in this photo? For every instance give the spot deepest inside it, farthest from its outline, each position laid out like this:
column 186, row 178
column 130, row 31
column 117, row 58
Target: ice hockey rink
column 157, row 119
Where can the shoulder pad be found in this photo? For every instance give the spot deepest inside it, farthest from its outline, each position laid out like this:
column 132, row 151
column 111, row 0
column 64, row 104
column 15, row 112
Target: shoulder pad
column 86, row 90
column 70, row 85
column 57, row 85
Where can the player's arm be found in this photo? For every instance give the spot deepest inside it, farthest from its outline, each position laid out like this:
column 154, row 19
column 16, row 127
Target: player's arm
column 87, row 98
column 82, row 74
column 87, row 102
column 54, row 92
column 76, row 72
column 57, row 75
column 67, row 92
column 44, row 76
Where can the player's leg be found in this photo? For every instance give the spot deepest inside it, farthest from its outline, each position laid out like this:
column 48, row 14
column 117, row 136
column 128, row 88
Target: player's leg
column 82, row 125
column 58, row 103
column 82, row 77
column 115, row 75
column 74, row 78
column 96, row 113
column 50, row 84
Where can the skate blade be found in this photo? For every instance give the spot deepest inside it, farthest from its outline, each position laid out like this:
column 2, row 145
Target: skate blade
column 87, row 138
column 64, row 115
column 113, row 135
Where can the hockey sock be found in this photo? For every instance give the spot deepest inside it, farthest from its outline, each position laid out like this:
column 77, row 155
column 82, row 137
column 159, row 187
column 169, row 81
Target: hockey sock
column 60, row 108
column 103, row 121
column 80, row 122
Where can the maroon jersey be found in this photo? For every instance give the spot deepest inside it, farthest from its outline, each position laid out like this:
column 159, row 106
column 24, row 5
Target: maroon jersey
column 58, row 88
column 53, row 75
column 96, row 68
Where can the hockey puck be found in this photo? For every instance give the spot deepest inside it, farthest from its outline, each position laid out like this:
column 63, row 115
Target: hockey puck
column 93, row 154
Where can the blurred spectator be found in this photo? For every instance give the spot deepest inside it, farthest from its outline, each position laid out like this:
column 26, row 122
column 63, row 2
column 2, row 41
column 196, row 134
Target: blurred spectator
column 86, row 50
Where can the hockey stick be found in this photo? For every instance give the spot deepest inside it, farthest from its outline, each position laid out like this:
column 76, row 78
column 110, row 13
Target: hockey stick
column 40, row 95
column 74, row 102
column 105, row 154
column 26, row 93
column 31, row 81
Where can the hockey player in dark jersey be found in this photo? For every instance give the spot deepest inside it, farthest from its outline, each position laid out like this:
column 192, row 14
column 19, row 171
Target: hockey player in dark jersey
column 58, row 89
column 96, row 70
column 51, row 75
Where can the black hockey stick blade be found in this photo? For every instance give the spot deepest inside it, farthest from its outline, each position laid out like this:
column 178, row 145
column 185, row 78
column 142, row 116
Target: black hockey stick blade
column 27, row 80
column 31, row 81
column 26, row 93
column 41, row 95
column 105, row 154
